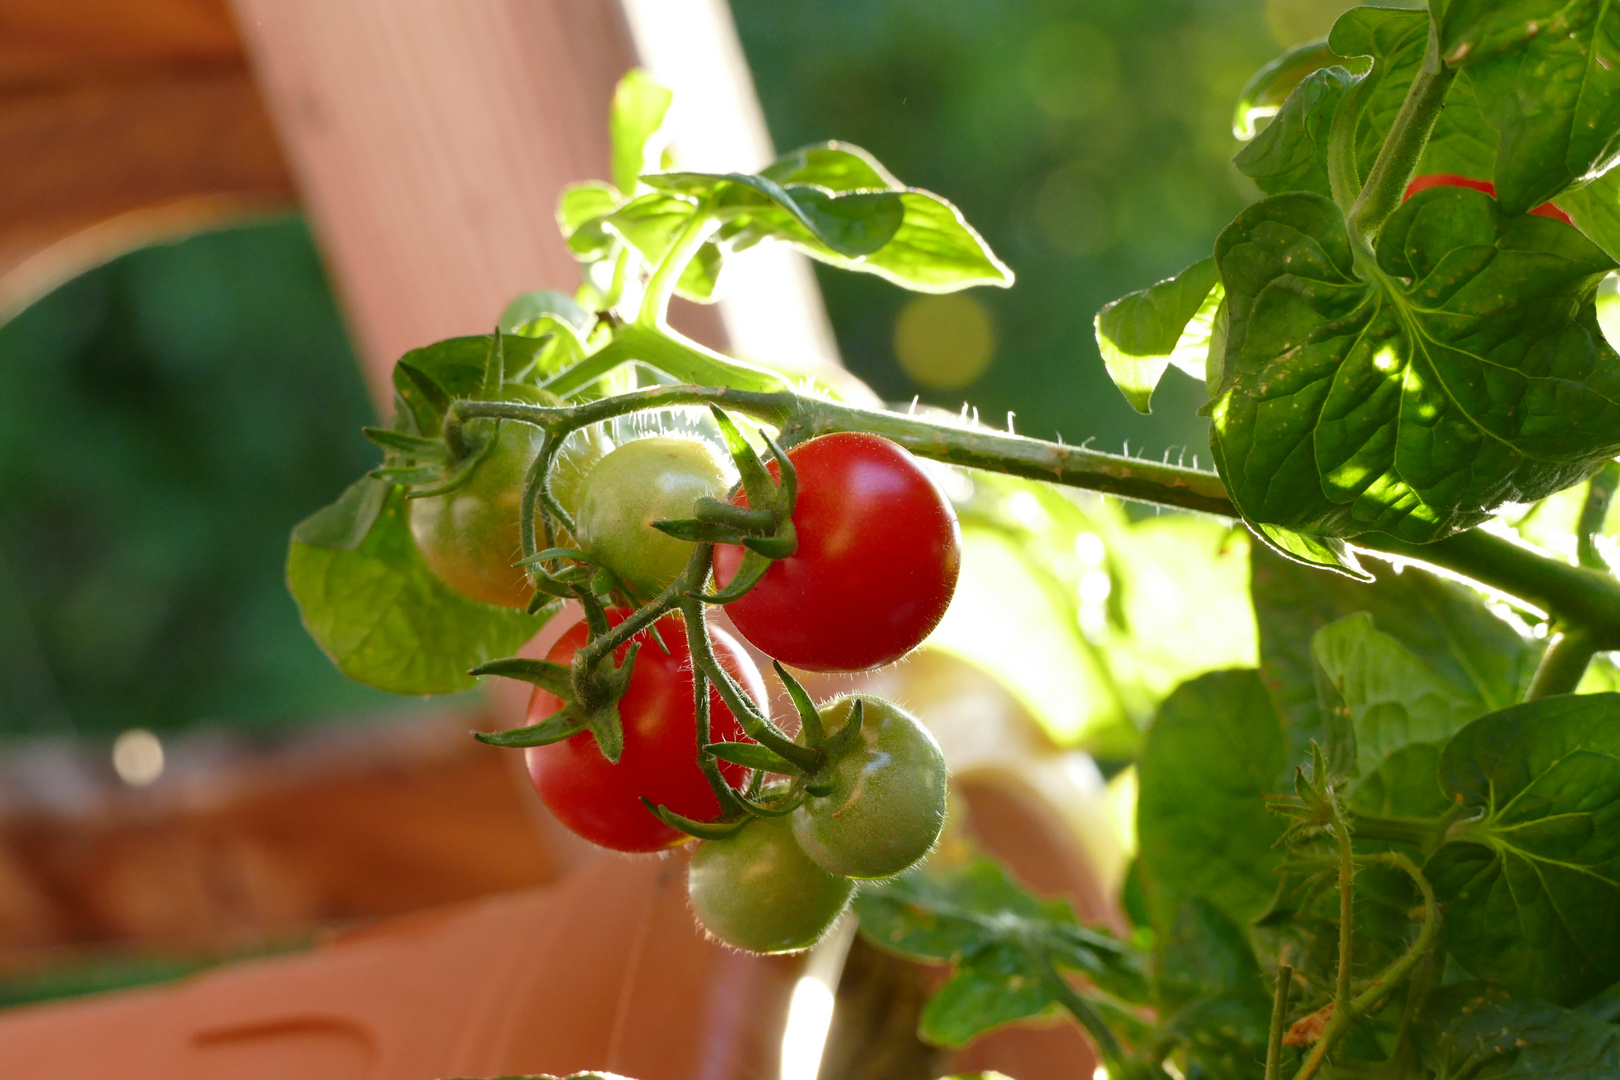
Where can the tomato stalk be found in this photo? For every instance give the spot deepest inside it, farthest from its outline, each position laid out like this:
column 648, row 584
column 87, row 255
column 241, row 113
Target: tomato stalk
column 1577, row 596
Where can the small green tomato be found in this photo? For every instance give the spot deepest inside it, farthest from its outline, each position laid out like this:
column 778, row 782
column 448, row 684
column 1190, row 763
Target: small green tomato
column 641, row 482
column 470, row 537
column 884, row 801
column 758, row 891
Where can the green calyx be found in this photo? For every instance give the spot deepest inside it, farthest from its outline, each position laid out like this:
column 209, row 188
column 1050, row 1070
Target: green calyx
column 764, row 527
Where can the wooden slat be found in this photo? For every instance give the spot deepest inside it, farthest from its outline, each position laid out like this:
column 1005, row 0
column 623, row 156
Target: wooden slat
column 97, row 167
column 431, row 141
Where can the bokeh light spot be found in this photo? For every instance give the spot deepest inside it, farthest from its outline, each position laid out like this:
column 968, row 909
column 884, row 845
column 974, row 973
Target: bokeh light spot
column 137, row 757
column 1072, row 212
column 944, row 342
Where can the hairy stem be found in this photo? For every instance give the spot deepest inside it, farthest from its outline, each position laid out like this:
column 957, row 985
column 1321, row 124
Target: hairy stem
column 1423, row 833
column 1279, row 1020
column 1408, row 135
column 1576, row 596
column 1342, row 1006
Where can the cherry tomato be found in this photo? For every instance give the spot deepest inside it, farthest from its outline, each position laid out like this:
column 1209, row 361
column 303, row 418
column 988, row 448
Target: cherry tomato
column 1424, row 183
column 602, row 801
column 469, row 537
column 887, row 803
column 758, row 891
column 637, row 484
column 879, row 552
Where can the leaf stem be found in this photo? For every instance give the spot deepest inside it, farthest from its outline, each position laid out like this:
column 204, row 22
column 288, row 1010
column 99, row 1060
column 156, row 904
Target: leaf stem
column 1562, row 665
column 1279, row 1017
column 1594, row 511
column 1108, row 1047
column 1343, row 1013
column 662, row 283
column 1408, row 135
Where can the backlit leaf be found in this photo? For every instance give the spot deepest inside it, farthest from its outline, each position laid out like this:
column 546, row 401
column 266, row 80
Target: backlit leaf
column 1468, row 372
column 386, row 620
column 1137, row 334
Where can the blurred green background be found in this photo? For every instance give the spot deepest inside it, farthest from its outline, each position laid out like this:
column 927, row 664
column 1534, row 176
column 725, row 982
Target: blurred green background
column 165, row 419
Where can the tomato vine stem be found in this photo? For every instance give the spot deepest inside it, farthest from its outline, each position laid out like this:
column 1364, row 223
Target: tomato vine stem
column 1579, row 597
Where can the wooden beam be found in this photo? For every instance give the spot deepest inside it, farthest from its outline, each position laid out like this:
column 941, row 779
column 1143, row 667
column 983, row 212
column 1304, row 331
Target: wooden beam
column 431, row 141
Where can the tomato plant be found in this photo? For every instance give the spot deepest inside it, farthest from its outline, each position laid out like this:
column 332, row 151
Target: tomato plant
column 877, row 560
column 1432, row 180
column 875, row 810
column 1383, row 844
column 641, row 482
column 469, row 537
column 759, row 891
column 601, row 800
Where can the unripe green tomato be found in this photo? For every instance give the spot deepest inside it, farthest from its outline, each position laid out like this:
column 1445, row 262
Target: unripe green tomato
column 470, row 536
column 579, row 455
column 887, row 803
column 644, row 481
column 758, row 891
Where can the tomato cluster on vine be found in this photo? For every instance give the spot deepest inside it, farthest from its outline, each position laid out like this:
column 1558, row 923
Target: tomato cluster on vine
column 647, row 728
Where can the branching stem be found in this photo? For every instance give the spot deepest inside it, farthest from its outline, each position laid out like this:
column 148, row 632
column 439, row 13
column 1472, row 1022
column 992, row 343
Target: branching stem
column 1577, row 596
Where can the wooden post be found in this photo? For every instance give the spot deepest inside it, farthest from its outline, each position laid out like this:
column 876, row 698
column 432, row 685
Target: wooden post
column 430, row 140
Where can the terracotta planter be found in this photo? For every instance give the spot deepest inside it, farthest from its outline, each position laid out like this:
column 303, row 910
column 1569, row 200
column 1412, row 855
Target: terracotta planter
column 602, row 971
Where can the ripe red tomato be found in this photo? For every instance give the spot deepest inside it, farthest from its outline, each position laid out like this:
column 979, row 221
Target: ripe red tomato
column 1424, row 183
column 879, row 552
column 601, row 801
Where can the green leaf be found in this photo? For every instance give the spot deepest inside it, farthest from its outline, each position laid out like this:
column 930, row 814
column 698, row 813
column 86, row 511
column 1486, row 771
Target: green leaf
column 385, row 619
column 1475, row 1029
column 1270, row 87
column 1324, row 552
column 1547, row 75
column 1211, row 994
column 1003, row 984
column 1206, row 953
column 427, row 379
column 844, row 226
column 1445, row 625
column 1532, row 884
column 650, row 223
column 1467, row 372
column 1291, row 154
column 1213, row 753
column 1393, row 698
column 580, row 212
column 344, row 524
column 532, row 307
column 582, row 203
column 1139, row 333
column 934, row 250
column 700, row 279
column 1461, row 142
column 1001, row 939
column 639, row 107
column 836, row 166
column 1595, row 209
column 949, row 914
column 910, row 237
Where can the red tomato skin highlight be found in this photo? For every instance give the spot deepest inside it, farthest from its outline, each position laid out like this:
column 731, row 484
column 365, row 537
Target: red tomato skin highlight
column 600, row 801
column 879, row 554
column 1424, row 183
